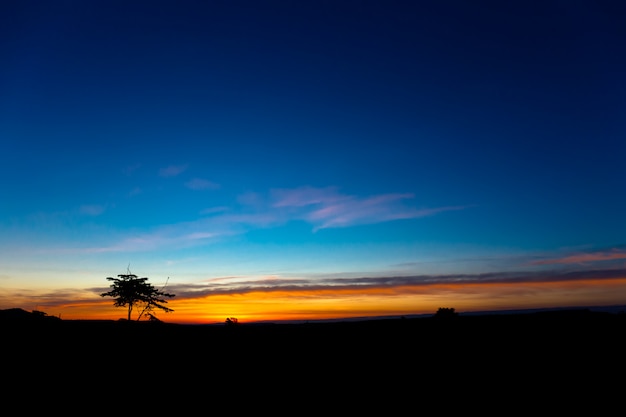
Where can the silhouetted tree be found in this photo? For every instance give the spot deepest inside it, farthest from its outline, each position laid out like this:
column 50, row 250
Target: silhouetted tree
column 231, row 321
column 130, row 291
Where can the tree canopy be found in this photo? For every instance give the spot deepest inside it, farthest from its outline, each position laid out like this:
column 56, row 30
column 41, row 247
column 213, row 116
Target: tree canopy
column 133, row 292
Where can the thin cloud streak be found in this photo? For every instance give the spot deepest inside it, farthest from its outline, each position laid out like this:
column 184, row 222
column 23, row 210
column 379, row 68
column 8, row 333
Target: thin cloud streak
column 585, row 258
column 172, row 170
column 393, row 283
column 91, row 209
column 201, row 184
column 153, row 241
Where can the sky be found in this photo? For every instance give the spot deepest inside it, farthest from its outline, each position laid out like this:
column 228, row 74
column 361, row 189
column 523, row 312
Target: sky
column 302, row 160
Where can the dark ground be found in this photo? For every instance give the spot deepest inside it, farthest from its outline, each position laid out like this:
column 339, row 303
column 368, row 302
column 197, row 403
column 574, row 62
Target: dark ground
column 562, row 358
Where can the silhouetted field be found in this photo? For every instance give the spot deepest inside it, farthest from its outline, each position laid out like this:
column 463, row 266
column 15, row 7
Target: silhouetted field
column 528, row 357
column 546, row 333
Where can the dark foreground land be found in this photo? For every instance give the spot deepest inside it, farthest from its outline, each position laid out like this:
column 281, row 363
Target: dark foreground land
column 578, row 332
column 555, row 361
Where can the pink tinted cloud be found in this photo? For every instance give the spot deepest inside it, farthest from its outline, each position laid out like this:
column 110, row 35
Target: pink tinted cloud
column 326, row 207
column 251, row 199
column 582, row 258
column 201, row 184
column 375, row 209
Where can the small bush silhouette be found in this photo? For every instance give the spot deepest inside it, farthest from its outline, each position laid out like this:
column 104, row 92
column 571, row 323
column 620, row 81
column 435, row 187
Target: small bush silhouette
column 446, row 312
column 231, row 321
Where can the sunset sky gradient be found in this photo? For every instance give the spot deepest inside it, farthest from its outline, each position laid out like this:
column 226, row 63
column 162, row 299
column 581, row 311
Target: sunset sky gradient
column 285, row 160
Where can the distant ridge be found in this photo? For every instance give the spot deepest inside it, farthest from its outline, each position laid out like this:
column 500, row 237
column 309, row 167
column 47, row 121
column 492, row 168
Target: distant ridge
column 19, row 314
column 614, row 309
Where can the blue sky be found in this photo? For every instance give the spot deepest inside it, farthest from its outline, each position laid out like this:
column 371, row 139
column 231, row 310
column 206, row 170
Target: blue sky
column 199, row 140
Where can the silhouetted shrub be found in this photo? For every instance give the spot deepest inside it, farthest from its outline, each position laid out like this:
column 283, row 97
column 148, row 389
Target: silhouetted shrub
column 445, row 312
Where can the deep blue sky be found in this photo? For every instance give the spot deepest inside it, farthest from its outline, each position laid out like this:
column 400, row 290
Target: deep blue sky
column 201, row 139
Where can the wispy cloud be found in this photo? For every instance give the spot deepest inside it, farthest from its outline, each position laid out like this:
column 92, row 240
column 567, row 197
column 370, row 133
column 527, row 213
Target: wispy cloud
column 174, row 237
column 585, row 257
column 172, row 170
column 322, row 208
column 135, row 191
column 91, row 209
column 327, row 208
column 201, row 184
column 251, row 199
column 213, row 210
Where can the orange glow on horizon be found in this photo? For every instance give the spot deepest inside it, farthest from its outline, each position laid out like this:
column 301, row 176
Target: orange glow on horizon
column 349, row 302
